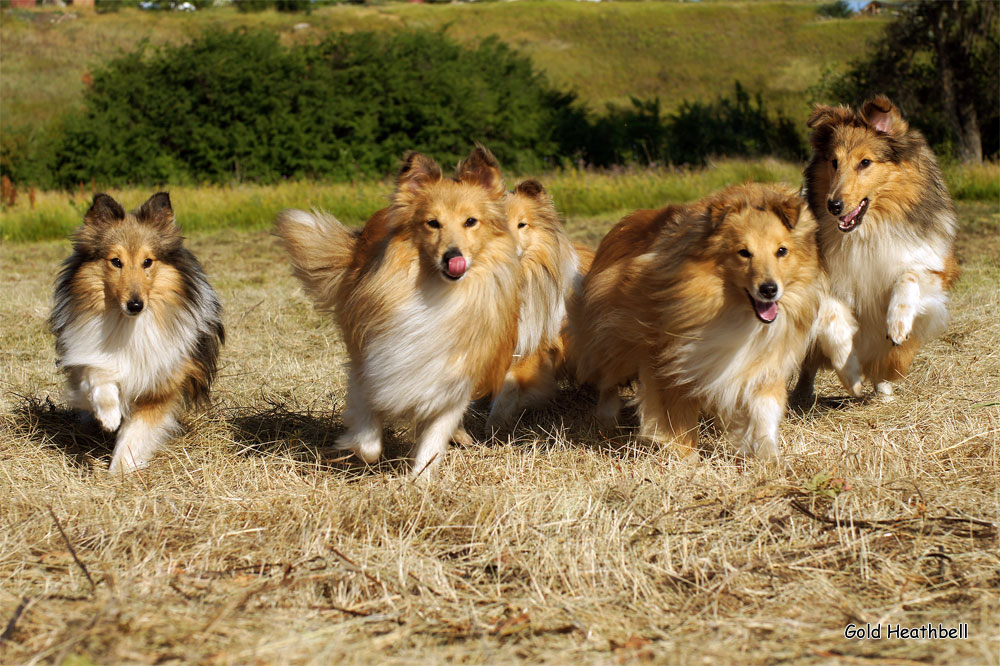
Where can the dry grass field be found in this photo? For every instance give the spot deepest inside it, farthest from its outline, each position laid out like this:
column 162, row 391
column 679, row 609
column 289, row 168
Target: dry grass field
column 251, row 541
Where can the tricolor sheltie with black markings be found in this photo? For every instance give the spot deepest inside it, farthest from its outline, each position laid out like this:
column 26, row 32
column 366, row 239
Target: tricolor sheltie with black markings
column 886, row 234
column 551, row 267
column 426, row 296
column 711, row 306
column 137, row 325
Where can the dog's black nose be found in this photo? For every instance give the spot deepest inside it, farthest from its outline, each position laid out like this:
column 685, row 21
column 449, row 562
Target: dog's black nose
column 134, row 306
column 835, row 206
column 768, row 289
column 451, row 254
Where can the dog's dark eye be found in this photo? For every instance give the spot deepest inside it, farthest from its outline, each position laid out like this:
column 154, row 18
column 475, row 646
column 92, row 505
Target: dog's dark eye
column 745, row 253
column 865, row 164
column 522, row 225
column 834, row 163
column 147, row 263
column 433, row 224
column 471, row 222
column 782, row 251
column 116, row 262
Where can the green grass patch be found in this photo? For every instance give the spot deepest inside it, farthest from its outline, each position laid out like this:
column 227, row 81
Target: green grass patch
column 577, row 193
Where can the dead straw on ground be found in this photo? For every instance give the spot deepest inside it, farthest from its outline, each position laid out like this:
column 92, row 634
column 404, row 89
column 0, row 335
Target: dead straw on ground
column 251, row 540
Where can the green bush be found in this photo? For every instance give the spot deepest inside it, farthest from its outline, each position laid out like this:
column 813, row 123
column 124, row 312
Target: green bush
column 239, row 106
column 28, row 153
column 736, row 126
column 838, row 9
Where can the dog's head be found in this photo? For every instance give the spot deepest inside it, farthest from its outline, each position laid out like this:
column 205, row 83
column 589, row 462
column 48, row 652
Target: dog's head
column 127, row 254
column 761, row 242
column 856, row 158
column 451, row 220
column 533, row 220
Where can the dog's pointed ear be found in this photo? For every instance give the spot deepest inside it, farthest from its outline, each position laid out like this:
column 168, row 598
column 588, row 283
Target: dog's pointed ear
column 416, row 172
column 156, row 211
column 883, row 116
column 788, row 209
column 482, row 169
column 530, row 188
column 714, row 214
column 103, row 210
column 821, row 115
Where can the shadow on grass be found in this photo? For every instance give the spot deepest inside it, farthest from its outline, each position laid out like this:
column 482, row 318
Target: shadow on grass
column 568, row 420
column 817, row 406
column 275, row 427
column 80, row 439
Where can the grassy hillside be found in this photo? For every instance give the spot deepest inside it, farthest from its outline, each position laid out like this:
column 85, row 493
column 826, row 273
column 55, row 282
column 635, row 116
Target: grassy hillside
column 604, row 52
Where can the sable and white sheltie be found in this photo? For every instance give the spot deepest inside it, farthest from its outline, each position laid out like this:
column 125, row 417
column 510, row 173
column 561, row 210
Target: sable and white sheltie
column 137, row 325
column 551, row 267
column 711, row 306
column 886, row 235
column 426, row 295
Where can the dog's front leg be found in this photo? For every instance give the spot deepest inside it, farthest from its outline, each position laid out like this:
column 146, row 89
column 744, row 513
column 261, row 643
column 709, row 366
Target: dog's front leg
column 364, row 428
column 903, row 307
column 103, row 396
column 505, row 404
column 835, row 332
column 760, row 436
column 150, row 423
column 432, row 441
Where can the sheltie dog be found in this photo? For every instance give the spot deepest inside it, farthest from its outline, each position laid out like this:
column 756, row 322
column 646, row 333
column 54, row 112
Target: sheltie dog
column 551, row 267
column 426, row 296
column 886, row 235
column 137, row 325
column 711, row 306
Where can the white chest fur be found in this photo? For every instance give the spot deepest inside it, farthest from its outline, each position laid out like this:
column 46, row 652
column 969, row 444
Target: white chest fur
column 133, row 352
column 866, row 267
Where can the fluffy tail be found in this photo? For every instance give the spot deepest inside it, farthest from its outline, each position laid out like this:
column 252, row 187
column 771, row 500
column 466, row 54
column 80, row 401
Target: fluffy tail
column 321, row 249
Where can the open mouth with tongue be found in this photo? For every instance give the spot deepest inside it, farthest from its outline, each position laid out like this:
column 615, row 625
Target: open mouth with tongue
column 766, row 311
column 454, row 266
column 853, row 219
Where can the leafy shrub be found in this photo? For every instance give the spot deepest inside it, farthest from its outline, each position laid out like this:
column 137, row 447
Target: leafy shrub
column 28, row 153
column 739, row 125
column 238, row 105
column 736, row 126
column 838, row 9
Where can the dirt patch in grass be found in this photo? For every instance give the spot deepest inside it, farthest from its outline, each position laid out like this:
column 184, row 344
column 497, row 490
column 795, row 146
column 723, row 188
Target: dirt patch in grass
column 251, row 540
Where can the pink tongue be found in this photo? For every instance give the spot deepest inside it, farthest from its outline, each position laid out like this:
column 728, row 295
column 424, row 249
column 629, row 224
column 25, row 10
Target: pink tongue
column 766, row 311
column 847, row 219
column 456, row 266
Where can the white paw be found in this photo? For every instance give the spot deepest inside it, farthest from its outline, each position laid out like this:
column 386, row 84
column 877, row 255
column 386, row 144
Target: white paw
column 853, row 382
column 900, row 324
column 462, row 437
column 764, row 449
column 883, row 391
column 368, row 448
column 107, row 409
column 125, row 460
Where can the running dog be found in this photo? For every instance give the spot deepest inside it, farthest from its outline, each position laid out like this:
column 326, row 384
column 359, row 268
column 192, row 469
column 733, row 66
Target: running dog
column 886, row 235
column 426, row 296
column 711, row 306
column 551, row 267
column 137, row 325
